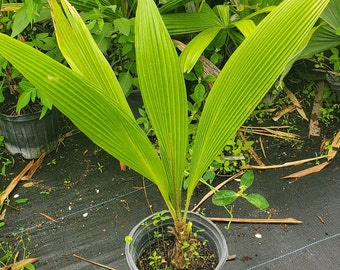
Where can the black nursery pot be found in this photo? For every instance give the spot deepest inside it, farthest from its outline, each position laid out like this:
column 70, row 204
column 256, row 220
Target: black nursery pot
column 141, row 235
column 29, row 136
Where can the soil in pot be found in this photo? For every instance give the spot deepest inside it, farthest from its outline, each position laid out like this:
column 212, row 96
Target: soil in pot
column 158, row 256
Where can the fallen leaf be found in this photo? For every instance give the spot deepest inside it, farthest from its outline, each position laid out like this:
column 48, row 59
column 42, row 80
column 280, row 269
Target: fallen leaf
column 335, row 147
column 308, row 171
column 122, row 166
column 47, row 217
column 281, row 113
column 20, row 265
column 28, row 185
column 296, row 103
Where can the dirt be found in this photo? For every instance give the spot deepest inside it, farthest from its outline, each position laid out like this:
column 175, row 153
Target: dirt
column 205, row 259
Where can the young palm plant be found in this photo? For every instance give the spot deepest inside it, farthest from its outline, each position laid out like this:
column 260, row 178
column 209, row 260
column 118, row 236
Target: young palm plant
column 89, row 94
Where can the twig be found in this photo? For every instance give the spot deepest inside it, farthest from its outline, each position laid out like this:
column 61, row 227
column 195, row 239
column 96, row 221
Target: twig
column 287, row 164
column 47, row 217
column 258, row 220
column 251, row 150
column 92, row 262
column 211, row 192
column 15, row 181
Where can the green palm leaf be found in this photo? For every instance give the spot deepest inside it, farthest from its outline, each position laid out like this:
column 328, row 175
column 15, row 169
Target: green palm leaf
column 247, row 76
column 163, row 90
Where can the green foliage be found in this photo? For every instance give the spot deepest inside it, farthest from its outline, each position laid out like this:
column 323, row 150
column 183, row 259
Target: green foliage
column 155, row 261
column 13, row 252
column 227, row 197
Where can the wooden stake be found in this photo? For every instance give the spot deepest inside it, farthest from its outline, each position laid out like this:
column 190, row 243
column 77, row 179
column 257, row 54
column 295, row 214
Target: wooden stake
column 258, row 220
column 92, row 262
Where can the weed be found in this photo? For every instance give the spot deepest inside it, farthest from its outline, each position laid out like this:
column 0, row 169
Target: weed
column 226, row 198
column 100, row 167
column 52, row 162
column 11, row 253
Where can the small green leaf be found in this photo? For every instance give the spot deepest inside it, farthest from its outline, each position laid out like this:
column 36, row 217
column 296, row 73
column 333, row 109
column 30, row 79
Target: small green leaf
column 128, row 239
column 210, row 78
column 20, row 21
column 247, row 179
column 122, row 25
column 2, row 224
column 214, row 58
column 23, row 100
column 199, row 69
column 190, row 76
column 21, row 201
column 125, row 80
column 29, row 266
column 209, row 176
column 199, row 93
column 224, row 197
column 257, row 200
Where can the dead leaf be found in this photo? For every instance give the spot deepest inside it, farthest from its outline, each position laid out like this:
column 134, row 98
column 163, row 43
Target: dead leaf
column 47, row 217
column 28, row 185
column 296, row 103
column 20, row 265
column 308, row 171
column 2, row 215
column 271, row 131
column 34, row 167
column 281, row 113
column 335, row 147
column 122, row 166
column 321, row 219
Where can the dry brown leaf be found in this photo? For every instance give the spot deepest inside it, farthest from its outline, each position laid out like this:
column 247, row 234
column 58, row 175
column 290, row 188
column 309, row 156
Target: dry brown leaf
column 2, row 215
column 308, row 171
column 34, row 167
column 47, row 217
column 20, row 265
column 271, row 131
column 296, row 103
column 281, row 113
column 122, row 166
column 262, row 147
column 335, row 146
column 28, row 185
